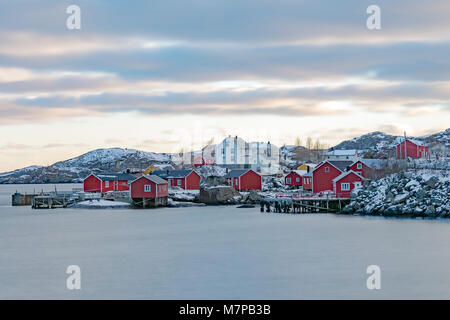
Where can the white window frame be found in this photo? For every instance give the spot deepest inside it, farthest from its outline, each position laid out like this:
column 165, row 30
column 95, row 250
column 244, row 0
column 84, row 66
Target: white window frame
column 327, row 169
column 288, row 181
column 359, row 166
column 106, row 184
column 297, row 179
column 357, row 184
column 147, row 188
column 178, row 182
column 345, row 186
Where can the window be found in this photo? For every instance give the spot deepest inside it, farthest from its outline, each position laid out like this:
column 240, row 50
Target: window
column 327, row 169
column 297, row 180
column 179, row 182
column 359, row 166
column 345, row 186
column 357, row 184
column 288, row 180
column 106, row 184
column 147, row 188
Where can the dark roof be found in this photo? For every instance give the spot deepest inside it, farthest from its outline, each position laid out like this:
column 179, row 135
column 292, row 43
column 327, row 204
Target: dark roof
column 172, row 173
column 154, row 178
column 105, row 176
column 236, row 173
column 341, row 165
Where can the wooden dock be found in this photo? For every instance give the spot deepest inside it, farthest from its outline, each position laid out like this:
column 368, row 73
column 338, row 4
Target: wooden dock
column 303, row 203
column 48, row 202
column 55, row 199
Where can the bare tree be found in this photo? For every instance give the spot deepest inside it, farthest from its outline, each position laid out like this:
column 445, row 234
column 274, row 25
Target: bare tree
column 309, row 143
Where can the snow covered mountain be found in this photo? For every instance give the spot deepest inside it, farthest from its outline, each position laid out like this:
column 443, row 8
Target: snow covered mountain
column 100, row 160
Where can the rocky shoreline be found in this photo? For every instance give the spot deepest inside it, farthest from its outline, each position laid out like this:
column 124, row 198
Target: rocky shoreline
column 421, row 193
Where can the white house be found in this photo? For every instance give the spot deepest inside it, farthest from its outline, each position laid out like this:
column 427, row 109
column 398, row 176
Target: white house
column 352, row 155
column 236, row 153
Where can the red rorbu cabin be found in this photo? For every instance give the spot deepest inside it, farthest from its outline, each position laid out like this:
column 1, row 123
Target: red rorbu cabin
column 184, row 179
column 414, row 149
column 243, row 180
column 307, row 181
column 294, row 178
column 149, row 191
column 325, row 172
column 368, row 168
column 104, row 182
column 346, row 182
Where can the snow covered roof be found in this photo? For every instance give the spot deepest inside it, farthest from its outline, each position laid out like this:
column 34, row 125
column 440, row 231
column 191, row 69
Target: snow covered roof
column 299, row 172
column 114, row 176
column 153, row 178
column 400, row 140
column 344, row 174
column 172, row 173
column 374, row 163
column 351, row 152
column 309, row 174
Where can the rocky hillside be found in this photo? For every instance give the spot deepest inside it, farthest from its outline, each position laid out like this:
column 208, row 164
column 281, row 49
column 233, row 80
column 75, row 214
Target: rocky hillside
column 424, row 193
column 381, row 145
column 100, row 160
column 376, row 141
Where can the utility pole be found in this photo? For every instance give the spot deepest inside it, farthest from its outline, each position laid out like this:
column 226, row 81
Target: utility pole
column 404, row 133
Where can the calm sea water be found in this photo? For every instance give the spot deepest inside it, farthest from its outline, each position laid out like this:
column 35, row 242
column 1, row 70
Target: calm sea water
column 216, row 253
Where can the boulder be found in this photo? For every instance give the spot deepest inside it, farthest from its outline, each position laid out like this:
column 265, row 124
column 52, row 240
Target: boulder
column 400, row 198
column 213, row 181
column 432, row 181
column 430, row 210
column 216, row 195
column 253, row 197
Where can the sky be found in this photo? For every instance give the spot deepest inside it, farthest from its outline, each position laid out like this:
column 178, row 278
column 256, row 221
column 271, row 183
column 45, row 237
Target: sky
column 163, row 75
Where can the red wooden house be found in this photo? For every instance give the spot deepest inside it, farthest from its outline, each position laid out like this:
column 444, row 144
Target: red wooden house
column 307, row 181
column 414, row 149
column 325, row 172
column 368, row 168
column 185, row 179
column 294, row 178
column 149, row 191
column 104, row 182
column 346, row 182
column 243, row 180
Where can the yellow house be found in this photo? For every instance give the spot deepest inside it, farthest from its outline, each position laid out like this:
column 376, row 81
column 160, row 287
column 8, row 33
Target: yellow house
column 151, row 168
column 307, row 167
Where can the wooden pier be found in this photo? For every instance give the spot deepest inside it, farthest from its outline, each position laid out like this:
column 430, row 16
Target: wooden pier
column 50, row 201
column 303, row 203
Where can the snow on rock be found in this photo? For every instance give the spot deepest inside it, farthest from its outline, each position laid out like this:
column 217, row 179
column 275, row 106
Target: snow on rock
column 183, row 204
column 101, row 204
column 423, row 193
column 178, row 194
column 207, row 171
